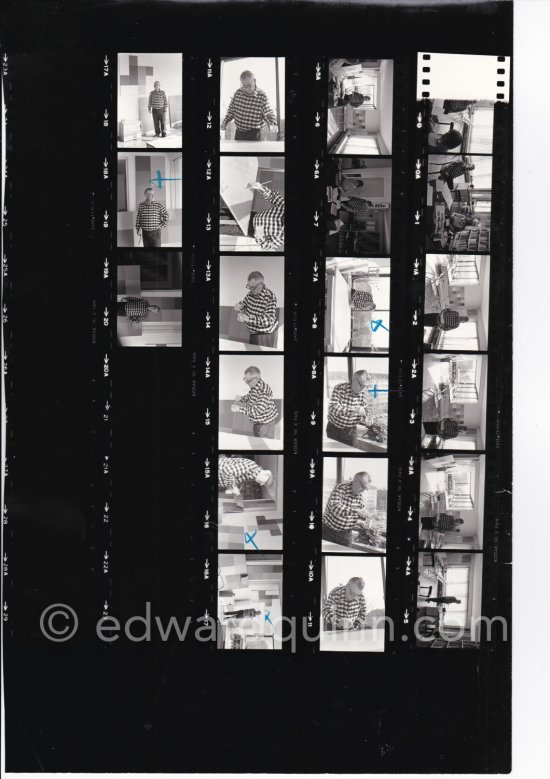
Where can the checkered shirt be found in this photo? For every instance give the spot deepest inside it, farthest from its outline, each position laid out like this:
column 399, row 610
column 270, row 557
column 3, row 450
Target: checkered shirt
column 262, row 310
column 344, row 404
column 357, row 205
column 233, row 471
column 453, row 170
column 360, row 299
column 342, row 507
column 259, row 405
column 249, row 111
column 136, row 309
column 272, row 220
column 445, row 523
column 158, row 99
column 448, row 428
column 338, row 607
column 449, row 319
column 151, row 216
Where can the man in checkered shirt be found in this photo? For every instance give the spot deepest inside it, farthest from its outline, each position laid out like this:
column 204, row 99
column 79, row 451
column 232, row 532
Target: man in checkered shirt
column 345, row 509
column 447, row 319
column 450, row 171
column 235, row 471
column 136, row 310
column 257, row 404
column 269, row 225
column 158, row 105
column 444, row 523
column 151, row 218
column 250, row 110
column 258, row 311
column 444, row 428
column 345, row 607
column 348, row 406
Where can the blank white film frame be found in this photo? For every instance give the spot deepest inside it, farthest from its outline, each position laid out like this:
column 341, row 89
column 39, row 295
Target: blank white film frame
column 463, row 77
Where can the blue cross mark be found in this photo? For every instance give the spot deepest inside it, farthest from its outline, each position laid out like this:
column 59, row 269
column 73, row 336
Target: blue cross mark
column 376, row 323
column 375, row 391
column 249, row 539
column 266, row 619
column 159, row 179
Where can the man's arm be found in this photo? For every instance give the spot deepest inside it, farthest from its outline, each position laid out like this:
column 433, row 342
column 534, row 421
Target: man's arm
column 362, row 615
column 337, row 507
column 164, row 216
column 150, row 103
column 267, row 317
column 268, row 113
column 272, row 196
column 138, row 218
column 329, row 610
column 230, row 113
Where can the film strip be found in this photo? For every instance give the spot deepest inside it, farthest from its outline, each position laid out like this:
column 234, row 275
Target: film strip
column 462, row 248
column 322, row 488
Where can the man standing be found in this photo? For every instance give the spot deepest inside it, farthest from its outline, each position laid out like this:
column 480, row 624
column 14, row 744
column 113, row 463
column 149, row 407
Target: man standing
column 348, row 406
column 151, row 217
column 250, row 110
column 345, row 509
column 345, row 607
column 158, row 105
column 257, row 404
column 136, row 310
column 258, row 311
column 269, row 225
column 233, row 472
column 443, row 600
column 447, row 319
column 242, row 614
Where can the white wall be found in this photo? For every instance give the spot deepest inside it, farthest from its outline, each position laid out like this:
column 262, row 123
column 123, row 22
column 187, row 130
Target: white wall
column 232, row 368
column 234, row 272
column 385, row 100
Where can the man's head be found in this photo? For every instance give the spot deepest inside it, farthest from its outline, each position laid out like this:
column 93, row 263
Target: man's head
column 153, row 309
column 248, row 81
column 357, row 183
column 255, row 282
column 157, row 85
column 360, row 482
column 252, row 376
column 471, row 166
column 451, row 139
column 356, row 99
column 360, row 381
column 356, row 585
column 265, row 478
column 149, row 194
column 459, row 521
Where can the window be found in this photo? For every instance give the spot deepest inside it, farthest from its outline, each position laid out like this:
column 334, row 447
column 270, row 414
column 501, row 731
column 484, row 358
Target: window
column 359, row 144
column 481, row 130
column 457, row 582
column 459, row 494
column 465, row 336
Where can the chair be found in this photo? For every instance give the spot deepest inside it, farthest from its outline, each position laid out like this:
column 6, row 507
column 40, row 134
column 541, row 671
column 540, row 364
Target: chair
column 424, row 594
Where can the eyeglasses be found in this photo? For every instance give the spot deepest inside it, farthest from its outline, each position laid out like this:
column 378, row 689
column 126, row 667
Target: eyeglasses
column 253, row 286
column 247, row 381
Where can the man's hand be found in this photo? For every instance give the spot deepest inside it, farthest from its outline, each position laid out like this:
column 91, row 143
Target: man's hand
column 138, row 230
column 238, row 307
column 362, row 623
column 344, row 623
column 235, row 408
column 150, row 109
column 233, row 491
column 238, row 398
column 258, row 186
column 243, row 317
column 362, row 513
column 259, row 233
column 274, row 128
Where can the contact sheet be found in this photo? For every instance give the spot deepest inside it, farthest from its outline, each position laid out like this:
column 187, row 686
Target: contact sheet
column 290, row 428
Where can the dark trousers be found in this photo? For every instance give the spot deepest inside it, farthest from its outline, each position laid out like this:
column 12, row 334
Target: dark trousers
column 121, row 308
column 431, row 320
column 266, row 430
column 431, row 428
column 247, row 135
column 344, row 537
column 427, row 523
column 263, row 339
column 346, row 435
column 158, row 120
column 151, row 237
